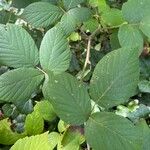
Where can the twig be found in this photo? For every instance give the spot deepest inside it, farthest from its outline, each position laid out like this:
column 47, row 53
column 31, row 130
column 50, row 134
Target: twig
column 41, row 70
column 87, row 60
column 88, row 146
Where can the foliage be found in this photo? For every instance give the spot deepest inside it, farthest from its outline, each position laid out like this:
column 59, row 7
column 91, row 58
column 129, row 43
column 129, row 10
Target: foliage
column 74, row 74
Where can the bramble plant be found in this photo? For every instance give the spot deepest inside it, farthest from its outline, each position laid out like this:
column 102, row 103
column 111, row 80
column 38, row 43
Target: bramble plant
column 75, row 74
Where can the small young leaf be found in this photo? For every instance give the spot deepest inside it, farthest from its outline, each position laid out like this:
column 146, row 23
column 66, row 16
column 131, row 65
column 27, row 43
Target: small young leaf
column 130, row 36
column 93, row 3
column 54, row 139
column 107, row 131
column 19, row 84
column 17, row 48
column 62, row 126
column 24, row 106
column 7, row 136
column 75, row 36
column 72, row 3
column 73, row 17
column 102, row 6
column 113, row 17
column 41, row 14
column 38, row 142
column 68, row 97
column 72, row 139
column 141, row 112
column 91, row 25
column 46, row 110
column 115, row 77
column 7, row 110
column 144, row 86
column 54, row 51
column 34, row 124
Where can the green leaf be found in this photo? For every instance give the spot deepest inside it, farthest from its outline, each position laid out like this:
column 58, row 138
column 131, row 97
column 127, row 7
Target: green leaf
column 51, row 1
column 38, row 142
column 24, row 106
column 62, row 126
column 54, row 51
column 144, row 86
column 4, row 16
column 73, row 17
column 101, row 4
column 130, row 36
column 144, row 67
column 145, row 26
column 114, row 41
column 22, row 4
column 46, row 110
column 115, row 77
column 107, row 131
column 72, row 3
column 141, row 112
column 135, row 10
column 7, row 136
column 145, row 135
column 113, row 17
column 93, row 3
column 7, row 110
column 75, row 36
column 34, row 124
column 91, row 25
column 42, row 14
column 54, row 139
column 19, row 84
column 17, row 48
column 69, row 98
column 72, row 139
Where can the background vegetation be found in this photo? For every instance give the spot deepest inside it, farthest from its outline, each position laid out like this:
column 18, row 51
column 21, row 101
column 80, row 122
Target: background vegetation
column 74, row 74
